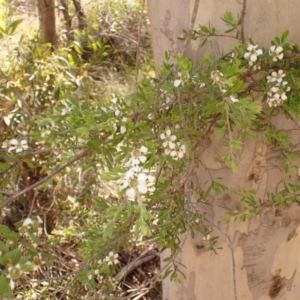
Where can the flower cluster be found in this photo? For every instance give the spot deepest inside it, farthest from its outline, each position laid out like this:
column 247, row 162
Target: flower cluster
column 173, row 148
column 137, row 181
column 278, row 88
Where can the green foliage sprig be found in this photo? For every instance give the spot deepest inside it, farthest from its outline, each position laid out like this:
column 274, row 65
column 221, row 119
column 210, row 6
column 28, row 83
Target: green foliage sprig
column 137, row 154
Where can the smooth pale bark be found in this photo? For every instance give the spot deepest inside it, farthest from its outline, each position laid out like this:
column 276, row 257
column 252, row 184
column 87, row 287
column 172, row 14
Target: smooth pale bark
column 46, row 10
column 266, row 250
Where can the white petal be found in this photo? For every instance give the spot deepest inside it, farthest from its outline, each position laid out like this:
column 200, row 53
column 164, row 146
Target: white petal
column 253, row 58
column 10, row 149
column 177, row 82
column 168, row 132
column 279, row 49
column 129, row 174
column 131, row 193
column 14, row 142
column 142, row 177
column 173, row 153
column 171, row 145
column 234, row 99
column 151, row 178
column 27, row 222
column 162, row 136
column 143, row 158
column 144, row 149
column 283, row 96
column 142, row 188
column 122, row 129
column 12, row 284
column 6, row 120
column 259, row 52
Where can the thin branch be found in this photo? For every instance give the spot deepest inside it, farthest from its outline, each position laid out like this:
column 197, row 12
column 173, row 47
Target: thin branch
column 243, row 14
column 133, row 265
column 31, row 187
column 138, row 47
column 193, row 20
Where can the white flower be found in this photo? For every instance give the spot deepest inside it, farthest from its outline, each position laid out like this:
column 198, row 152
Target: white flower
column 14, row 273
column 99, row 261
column 178, row 152
column 137, row 182
column 278, row 93
column 215, row 76
column 274, row 102
column 252, row 54
column 27, row 222
column 276, row 77
column 183, row 78
column 206, row 238
column 233, row 99
column 37, row 261
column 201, row 85
column 112, row 258
column 169, row 139
column 17, row 146
column 115, row 106
column 275, row 53
column 138, row 156
column 137, row 185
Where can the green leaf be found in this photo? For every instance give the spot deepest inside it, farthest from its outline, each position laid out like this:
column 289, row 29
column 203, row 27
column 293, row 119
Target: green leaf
column 108, row 230
column 12, row 256
column 83, row 132
column 95, row 146
column 3, row 247
column 284, row 36
column 13, row 26
column 27, row 267
column 4, row 285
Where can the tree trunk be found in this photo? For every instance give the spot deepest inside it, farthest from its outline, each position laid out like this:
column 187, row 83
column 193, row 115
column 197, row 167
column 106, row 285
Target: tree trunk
column 259, row 258
column 46, row 10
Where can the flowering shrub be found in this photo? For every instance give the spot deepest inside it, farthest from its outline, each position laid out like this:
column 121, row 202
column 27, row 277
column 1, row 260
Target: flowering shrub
column 141, row 149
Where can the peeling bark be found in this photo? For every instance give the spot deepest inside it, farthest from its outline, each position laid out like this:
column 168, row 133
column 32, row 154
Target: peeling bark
column 259, row 259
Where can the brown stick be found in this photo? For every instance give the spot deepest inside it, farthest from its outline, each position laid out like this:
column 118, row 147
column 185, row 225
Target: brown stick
column 29, row 188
